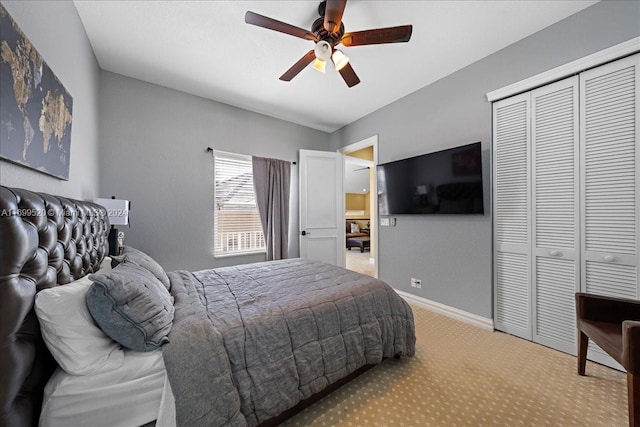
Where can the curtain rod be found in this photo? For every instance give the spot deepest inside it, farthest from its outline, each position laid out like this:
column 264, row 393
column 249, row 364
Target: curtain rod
column 210, row 150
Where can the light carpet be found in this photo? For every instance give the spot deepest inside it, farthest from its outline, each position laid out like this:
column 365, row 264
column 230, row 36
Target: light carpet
column 465, row 376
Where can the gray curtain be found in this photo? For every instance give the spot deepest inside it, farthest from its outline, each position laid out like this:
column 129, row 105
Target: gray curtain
column 271, row 180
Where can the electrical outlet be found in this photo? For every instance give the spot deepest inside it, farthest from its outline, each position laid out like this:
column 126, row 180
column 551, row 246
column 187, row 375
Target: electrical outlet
column 416, row 283
column 384, row 222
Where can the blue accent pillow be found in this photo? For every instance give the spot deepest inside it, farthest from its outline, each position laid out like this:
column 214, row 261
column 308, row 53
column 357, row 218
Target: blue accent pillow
column 131, row 306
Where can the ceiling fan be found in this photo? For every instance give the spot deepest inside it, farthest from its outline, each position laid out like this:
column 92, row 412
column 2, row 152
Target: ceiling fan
column 327, row 32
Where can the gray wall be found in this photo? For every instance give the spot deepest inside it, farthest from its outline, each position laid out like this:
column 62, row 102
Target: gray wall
column 54, row 28
column 453, row 255
column 152, row 152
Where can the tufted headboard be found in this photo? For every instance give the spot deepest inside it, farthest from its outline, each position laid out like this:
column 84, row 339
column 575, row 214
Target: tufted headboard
column 45, row 241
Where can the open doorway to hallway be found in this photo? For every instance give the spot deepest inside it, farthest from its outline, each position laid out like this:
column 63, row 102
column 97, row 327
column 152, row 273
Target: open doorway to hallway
column 361, row 206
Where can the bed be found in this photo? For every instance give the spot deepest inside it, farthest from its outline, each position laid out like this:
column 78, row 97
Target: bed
column 243, row 345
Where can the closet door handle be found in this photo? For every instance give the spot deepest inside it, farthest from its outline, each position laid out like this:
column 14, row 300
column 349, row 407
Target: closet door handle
column 609, row 258
column 554, row 253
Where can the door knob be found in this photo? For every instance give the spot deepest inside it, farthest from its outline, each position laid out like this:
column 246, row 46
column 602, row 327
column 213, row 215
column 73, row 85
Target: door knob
column 305, row 233
column 554, row 253
column 609, row 258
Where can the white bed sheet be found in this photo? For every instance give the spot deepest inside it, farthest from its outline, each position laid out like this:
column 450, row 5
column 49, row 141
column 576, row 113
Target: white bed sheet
column 133, row 394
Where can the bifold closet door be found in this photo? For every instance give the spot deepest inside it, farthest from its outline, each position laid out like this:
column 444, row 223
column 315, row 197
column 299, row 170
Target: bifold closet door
column 610, row 154
column 555, row 266
column 511, row 208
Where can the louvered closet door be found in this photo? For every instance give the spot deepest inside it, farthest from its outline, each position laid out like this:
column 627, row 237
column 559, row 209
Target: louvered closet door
column 554, row 191
column 511, row 138
column 610, row 112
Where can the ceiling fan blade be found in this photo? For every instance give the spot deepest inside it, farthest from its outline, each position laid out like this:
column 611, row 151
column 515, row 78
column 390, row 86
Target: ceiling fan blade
column 333, row 15
column 298, row 66
column 275, row 25
column 349, row 76
column 378, row 36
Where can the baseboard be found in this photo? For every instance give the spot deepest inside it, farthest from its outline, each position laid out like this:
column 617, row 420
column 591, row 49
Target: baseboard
column 452, row 312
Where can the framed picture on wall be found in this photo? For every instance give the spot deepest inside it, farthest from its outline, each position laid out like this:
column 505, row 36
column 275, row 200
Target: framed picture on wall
column 35, row 108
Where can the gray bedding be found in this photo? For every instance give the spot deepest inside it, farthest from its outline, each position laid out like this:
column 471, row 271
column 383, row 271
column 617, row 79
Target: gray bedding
column 250, row 341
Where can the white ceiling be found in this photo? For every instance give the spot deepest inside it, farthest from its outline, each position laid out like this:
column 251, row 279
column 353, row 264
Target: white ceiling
column 206, row 49
column 356, row 178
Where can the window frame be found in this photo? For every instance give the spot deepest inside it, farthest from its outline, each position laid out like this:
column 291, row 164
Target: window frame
column 229, row 157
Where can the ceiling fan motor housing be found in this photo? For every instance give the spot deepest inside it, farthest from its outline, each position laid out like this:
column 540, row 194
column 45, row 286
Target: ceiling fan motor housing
column 332, row 38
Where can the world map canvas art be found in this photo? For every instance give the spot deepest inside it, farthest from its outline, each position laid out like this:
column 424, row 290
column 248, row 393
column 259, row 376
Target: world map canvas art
column 35, row 108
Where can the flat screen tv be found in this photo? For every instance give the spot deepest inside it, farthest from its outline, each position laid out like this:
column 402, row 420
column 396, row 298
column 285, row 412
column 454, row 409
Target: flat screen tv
column 445, row 182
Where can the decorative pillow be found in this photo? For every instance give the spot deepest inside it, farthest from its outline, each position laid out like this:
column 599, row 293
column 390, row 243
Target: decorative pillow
column 355, row 228
column 131, row 306
column 105, row 265
column 143, row 260
column 73, row 338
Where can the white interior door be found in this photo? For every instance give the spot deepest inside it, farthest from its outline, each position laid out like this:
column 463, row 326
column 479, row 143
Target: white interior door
column 511, row 217
column 610, row 135
column 555, row 218
column 322, row 232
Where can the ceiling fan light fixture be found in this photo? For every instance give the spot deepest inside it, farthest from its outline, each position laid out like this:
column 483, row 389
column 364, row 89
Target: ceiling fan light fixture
column 322, row 50
column 339, row 59
column 326, row 32
column 319, row 65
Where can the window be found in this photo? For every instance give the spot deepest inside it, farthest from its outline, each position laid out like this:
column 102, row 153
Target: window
column 237, row 222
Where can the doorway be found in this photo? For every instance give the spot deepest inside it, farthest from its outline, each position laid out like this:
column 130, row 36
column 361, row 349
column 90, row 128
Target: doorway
column 361, row 206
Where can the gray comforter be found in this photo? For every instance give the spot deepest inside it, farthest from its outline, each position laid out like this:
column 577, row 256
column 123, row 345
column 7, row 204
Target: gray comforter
column 250, row 341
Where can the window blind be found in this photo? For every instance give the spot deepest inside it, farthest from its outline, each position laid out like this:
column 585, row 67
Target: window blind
column 237, row 222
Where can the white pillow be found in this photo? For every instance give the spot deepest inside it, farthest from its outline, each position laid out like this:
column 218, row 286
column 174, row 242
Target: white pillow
column 105, row 266
column 70, row 333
